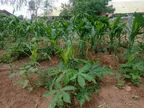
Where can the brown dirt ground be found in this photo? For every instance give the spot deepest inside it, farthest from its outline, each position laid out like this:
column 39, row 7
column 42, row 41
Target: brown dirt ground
column 109, row 95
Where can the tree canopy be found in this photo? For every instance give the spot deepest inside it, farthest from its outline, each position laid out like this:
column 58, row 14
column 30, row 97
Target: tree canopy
column 93, row 7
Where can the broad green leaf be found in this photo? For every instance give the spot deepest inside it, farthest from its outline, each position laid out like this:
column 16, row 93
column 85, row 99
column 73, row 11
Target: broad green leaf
column 25, row 83
column 81, row 81
column 28, row 66
column 22, row 72
column 87, row 97
column 66, row 97
column 134, row 76
column 59, row 78
column 95, row 66
column 54, row 101
column 69, row 88
column 85, row 68
column 30, row 88
column 12, row 75
column 61, row 65
column 33, row 69
column 96, row 91
column 74, row 77
column 81, row 60
column 87, row 77
column 66, row 78
column 82, row 101
column 52, row 92
column 58, row 85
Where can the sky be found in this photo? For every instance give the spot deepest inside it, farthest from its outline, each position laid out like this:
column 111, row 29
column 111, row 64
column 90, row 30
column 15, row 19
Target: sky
column 24, row 10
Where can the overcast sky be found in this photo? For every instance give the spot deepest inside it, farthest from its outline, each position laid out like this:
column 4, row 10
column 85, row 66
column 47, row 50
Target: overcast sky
column 24, row 10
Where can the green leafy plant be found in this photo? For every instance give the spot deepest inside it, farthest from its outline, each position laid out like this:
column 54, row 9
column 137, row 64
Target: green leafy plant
column 27, row 70
column 135, row 27
column 83, row 79
column 1, row 41
column 133, row 68
column 26, row 73
column 61, row 95
column 116, row 29
column 141, row 47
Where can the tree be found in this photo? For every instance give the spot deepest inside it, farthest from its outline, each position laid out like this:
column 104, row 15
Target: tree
column 35, row 5
column 15, row 3
column 93, row 7
column 47, row 7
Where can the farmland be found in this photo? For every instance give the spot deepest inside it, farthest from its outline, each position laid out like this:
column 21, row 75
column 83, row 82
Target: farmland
column 83, row 61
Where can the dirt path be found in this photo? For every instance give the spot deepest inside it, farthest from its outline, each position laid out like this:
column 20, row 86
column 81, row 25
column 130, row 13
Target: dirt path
column 109, row 95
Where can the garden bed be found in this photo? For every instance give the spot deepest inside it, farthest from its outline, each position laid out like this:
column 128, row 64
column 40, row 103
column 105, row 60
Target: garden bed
column 109, row 95
column 84, row 61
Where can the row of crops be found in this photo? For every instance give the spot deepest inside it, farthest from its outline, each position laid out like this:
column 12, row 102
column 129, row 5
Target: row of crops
column 73, row 42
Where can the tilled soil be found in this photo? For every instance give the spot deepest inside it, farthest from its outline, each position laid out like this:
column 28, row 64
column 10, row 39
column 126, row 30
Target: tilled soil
column 109, row 95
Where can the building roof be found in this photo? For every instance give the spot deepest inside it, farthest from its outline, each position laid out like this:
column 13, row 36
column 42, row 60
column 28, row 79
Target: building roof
column 56, row 12
column 5, row 12
column 128, row 6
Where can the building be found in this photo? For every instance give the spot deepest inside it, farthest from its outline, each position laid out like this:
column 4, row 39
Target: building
column 127, row 6
column 5, row 12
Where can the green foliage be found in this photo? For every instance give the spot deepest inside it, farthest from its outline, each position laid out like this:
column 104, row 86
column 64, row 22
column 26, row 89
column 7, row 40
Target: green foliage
column 133, row 68
column 82, row 30
column 67, row 39
column 26, row 74
column 93, row 7
column 67, row 54
column 61, row 95
column 17, row 50
column 135, row 27
column 27, row 71
column 141, row 47
column 66, row 82
column 1, row 41
column 116, row 29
